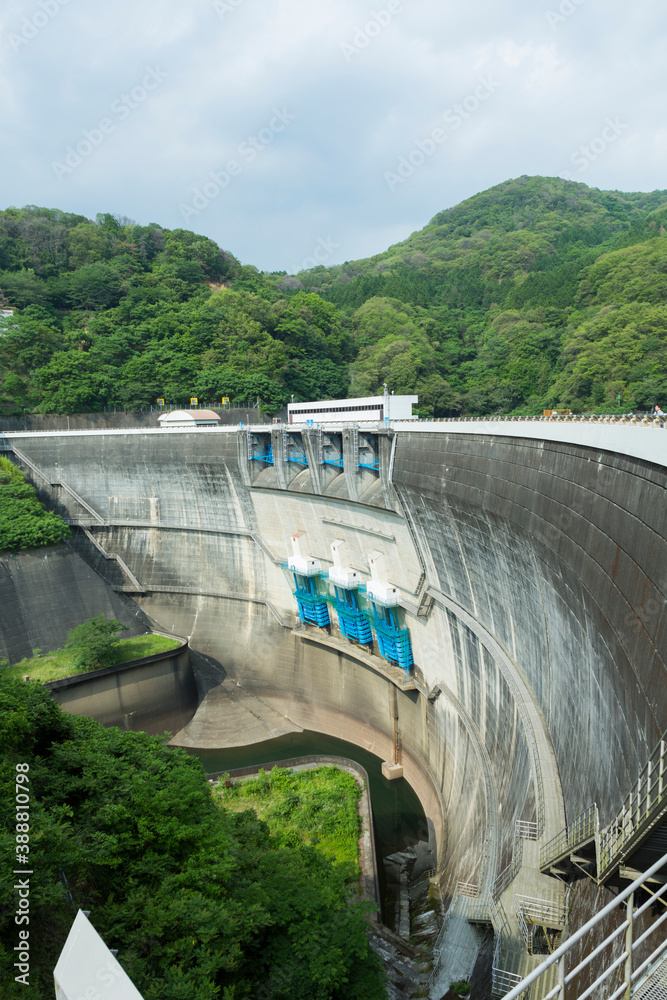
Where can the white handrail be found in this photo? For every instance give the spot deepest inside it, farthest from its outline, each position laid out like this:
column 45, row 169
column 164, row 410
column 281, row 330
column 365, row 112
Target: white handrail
column 583, row 931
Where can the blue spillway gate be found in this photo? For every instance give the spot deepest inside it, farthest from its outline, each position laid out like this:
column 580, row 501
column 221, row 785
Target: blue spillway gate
column 312, row 606
column 393, row 641
column 351, row 619
column 267, row 457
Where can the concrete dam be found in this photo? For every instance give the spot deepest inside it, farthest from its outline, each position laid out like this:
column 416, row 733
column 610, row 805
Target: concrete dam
column 531, row 560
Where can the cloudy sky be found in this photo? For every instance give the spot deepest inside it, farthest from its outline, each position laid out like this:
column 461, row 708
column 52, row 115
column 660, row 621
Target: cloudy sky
column 297, row 131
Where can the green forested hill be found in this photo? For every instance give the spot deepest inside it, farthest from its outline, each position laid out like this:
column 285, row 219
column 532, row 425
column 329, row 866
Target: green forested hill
column 539, row 292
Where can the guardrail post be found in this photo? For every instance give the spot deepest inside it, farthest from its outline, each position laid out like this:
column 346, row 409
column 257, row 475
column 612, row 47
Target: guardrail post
column 628, row 945
column 662, row 768
column 561, row 977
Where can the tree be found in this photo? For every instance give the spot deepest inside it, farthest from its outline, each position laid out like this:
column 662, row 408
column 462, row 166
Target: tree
column 23, row 288
column 94, row 642
column 86, row 245
column 24, row 522
column 72, row 383
column 317, row 379
column 95, row 286
column 200, row 902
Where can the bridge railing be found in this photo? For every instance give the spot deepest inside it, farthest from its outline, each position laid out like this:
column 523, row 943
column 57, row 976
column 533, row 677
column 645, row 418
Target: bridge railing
column 622, row 974
column 532, row 913
column 623, row 419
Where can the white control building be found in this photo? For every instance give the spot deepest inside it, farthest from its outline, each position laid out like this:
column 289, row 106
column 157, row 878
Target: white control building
column 364, row 408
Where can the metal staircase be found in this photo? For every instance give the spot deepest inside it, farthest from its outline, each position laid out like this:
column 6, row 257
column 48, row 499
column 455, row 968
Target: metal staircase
column 631, row 842
column 630, row 962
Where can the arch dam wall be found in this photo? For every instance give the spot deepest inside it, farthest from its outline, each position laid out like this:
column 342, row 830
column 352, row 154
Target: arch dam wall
column 533, row 573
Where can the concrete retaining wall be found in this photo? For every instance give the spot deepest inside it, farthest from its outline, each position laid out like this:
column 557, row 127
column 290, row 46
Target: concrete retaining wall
column 45, row 592
column 153, row 693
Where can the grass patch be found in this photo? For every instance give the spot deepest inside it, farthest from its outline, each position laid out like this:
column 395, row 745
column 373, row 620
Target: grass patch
column 316, row 807
column 60, row 663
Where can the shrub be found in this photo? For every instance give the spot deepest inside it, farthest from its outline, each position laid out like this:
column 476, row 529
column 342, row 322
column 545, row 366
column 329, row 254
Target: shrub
column 24, row 522
column 93, row 643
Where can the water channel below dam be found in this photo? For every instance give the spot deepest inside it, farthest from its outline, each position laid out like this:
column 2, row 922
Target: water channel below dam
column 399, row 820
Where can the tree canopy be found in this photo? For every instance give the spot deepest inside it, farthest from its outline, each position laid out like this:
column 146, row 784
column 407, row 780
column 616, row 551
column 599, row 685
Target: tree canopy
column 497, row 305
column 24, row 521
column 200, row 902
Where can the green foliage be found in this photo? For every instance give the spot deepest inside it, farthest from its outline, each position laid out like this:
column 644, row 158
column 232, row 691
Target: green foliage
column 24, row 522
column 317, row 807
column 61, row 663
column 71, row 383
column 200, row 902
column 93, row 643
column 112, row 313
column 461, row 987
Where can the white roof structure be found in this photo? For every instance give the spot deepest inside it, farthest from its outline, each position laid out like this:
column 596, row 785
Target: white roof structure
column 86, row 967
column 189, row 418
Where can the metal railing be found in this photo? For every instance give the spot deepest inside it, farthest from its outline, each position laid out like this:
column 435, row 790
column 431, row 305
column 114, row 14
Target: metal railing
column 54, row 483
column 642, row 809
column 527, row 829
column 502, row 979
column 533, row 913
column 629, row 419
column 627, row 966
column 582, row 830
column 508, row 874
column 424, row 879
column 437, row 945
column 545, row 912
column 477, row 908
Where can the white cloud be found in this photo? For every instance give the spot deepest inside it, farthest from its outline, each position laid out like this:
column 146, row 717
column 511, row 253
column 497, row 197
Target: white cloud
column 231, row 62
